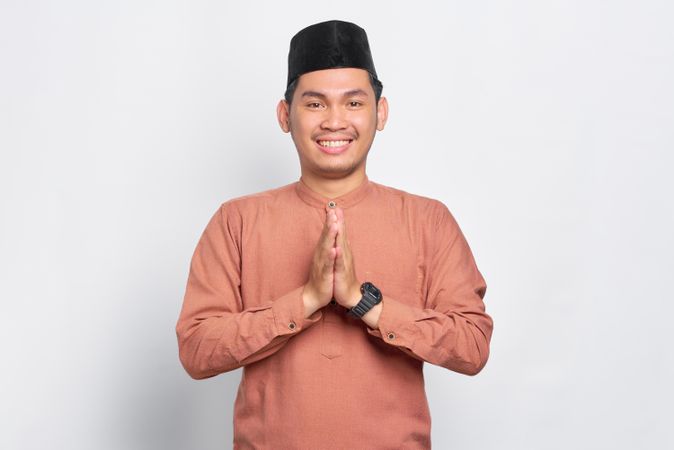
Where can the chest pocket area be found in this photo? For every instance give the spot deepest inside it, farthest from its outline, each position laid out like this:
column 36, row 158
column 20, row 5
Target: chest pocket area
column 332, row 331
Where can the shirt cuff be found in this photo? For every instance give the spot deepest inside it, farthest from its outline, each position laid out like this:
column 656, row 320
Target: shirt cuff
column 396, row 323
column 288, row 312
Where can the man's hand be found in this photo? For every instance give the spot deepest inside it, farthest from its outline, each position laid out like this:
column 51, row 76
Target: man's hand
column 347, row 287
column 319, row 289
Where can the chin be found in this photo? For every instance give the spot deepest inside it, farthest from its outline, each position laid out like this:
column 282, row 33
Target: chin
column 343, row 169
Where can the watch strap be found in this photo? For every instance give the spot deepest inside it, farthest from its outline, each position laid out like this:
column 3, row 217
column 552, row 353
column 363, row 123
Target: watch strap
column 366, row 303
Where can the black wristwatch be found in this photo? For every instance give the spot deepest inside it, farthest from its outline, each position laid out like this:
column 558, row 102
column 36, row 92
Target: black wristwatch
column 371, row 297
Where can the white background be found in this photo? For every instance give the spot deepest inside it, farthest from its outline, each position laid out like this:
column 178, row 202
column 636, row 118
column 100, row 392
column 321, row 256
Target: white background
column 545, row 126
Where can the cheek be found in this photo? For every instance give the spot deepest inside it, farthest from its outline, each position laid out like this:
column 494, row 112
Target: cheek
column 302, row 126
column 365, row 123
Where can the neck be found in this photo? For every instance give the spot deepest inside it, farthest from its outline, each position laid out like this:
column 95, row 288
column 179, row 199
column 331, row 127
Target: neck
column 333, row 187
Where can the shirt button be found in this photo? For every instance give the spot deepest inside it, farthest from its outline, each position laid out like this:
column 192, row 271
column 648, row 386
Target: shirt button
column 333, row 302
column 292, row 325
column 391, row 335
column 332, row 204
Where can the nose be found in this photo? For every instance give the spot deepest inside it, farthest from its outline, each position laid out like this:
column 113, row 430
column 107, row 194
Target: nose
column 335, row 119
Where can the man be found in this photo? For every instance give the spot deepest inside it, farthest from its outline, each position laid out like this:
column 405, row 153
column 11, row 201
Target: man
column 332, row 291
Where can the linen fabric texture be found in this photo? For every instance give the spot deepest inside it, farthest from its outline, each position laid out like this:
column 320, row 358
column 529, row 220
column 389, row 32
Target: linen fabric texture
column 329, row 381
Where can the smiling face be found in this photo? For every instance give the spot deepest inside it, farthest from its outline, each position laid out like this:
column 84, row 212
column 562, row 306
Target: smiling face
column 332, row 119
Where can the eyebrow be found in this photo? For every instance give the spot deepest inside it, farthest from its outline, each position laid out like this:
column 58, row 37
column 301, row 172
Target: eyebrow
column 350, row 93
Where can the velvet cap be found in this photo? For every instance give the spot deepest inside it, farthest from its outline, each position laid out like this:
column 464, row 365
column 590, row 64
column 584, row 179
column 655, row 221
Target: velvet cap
column 329, row 45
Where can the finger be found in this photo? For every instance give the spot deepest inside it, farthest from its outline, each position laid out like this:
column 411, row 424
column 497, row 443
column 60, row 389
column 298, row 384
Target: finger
column 330, row 217
column 328, row 265
column 344, row 256
column 342, row 219
column 324, row 260
column 339, row 258
column 341, row 234
column 330, row 237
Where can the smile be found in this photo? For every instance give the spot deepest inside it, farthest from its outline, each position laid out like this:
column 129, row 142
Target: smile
column 333, row 144
column 333, row 147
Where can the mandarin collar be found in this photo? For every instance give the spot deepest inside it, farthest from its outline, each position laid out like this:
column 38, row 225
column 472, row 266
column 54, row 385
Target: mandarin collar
column 347, row 200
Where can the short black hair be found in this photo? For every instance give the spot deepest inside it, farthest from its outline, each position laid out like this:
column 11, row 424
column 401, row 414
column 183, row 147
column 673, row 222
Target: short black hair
column 377, row 87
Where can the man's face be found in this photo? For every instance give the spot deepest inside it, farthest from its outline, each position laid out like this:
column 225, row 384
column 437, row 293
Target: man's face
column 332, row 120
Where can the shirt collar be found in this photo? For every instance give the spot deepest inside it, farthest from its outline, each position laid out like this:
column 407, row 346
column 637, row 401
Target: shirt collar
column 347, row 200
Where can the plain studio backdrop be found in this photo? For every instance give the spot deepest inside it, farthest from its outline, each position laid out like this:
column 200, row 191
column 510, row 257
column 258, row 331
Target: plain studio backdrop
column 545, row 127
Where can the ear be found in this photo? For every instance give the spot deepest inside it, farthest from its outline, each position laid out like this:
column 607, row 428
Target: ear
column 283, row 115
column 382, row 113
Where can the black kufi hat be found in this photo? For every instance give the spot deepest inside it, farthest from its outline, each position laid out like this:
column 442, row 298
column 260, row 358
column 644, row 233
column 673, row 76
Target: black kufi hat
column 329, row 45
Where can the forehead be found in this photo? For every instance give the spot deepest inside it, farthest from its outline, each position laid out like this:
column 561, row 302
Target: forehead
column 334, row 80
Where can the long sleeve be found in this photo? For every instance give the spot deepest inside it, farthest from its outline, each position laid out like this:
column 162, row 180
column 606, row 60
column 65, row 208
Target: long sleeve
column 452, row 330
column 215, row 333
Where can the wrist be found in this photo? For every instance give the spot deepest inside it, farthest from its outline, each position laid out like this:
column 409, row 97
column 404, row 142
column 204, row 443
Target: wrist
column 311, row 304
column 355, row 296
column 370, row 297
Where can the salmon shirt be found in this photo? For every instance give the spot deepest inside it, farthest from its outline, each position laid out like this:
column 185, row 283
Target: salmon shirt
column 329, row 381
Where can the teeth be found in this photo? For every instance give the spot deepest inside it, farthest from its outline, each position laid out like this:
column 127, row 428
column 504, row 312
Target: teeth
column 333, row 143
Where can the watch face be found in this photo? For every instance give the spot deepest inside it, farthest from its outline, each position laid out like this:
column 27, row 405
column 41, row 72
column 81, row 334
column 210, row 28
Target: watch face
column 372, row 289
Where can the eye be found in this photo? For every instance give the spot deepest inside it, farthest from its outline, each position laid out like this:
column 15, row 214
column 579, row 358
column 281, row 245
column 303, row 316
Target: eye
column 314, row 105
column 355, row 104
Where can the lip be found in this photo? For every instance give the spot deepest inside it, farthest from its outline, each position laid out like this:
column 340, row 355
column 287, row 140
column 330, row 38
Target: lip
column 333, row 150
